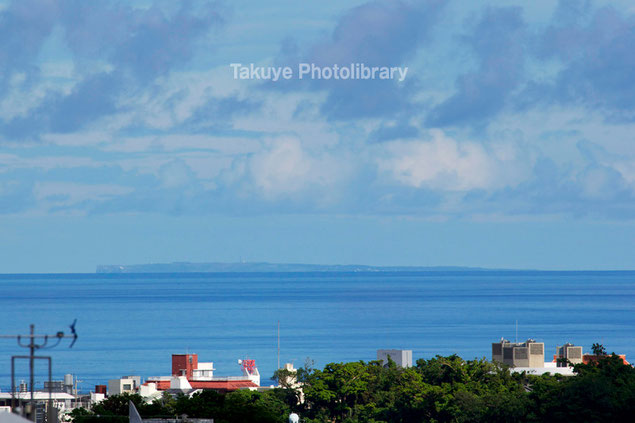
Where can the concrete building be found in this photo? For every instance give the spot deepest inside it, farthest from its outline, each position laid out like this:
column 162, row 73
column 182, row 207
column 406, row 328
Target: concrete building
column 528, row 357
column 527, row 354
column 568, row 352
column 135, row 379
column 126, row 384
column 402, row 358
column 575, row 355
column 65, row 385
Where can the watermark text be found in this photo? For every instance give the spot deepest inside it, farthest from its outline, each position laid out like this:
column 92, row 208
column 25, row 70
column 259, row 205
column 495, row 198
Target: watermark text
column 353, row 71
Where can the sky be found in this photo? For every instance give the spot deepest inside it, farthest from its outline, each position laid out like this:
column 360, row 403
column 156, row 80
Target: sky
column 125, row 138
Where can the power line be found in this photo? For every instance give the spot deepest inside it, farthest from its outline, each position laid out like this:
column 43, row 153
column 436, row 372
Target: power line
column 36, row 342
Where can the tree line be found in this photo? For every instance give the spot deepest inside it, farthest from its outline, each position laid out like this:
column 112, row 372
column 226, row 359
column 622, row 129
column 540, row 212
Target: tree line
column 441, row 389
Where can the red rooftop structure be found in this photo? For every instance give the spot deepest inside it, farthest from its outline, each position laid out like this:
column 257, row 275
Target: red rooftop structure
column 184, row 364
column 590, row 358
column 190, row 374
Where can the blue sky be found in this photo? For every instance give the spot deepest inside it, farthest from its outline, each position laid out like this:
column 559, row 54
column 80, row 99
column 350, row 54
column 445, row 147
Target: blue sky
column 125, row 139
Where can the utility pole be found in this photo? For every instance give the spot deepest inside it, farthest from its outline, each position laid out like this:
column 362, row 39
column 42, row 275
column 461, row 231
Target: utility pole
column 31, row 360
column 76, row 393
column 32, row 345
column 278, row 344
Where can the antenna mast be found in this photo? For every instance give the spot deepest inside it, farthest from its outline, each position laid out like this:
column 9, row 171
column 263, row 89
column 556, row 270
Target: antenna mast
column 516, row 330
column 278, row 344
column 35, row 343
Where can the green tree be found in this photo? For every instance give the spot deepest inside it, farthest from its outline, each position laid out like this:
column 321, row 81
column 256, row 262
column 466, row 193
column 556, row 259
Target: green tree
column 253, row 407
column 285, row 378
column 598, row 349
column 601, row 391
column 204, row 404
column 440, row 389
column 117, row 405
column 160, row 407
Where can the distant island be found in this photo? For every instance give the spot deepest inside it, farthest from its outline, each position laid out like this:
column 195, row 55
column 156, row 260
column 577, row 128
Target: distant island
column 186, row 267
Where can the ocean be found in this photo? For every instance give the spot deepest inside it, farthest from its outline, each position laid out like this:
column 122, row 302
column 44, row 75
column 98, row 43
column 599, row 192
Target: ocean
column 130, row 324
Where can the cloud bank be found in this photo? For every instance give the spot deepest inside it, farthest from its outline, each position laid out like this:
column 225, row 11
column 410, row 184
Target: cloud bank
column 118, row 107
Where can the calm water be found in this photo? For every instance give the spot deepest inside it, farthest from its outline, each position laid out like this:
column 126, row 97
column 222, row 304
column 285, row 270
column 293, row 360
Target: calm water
column 131, row 324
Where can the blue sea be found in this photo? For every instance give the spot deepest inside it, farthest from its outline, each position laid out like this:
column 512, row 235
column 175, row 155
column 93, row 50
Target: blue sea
column 130, row 324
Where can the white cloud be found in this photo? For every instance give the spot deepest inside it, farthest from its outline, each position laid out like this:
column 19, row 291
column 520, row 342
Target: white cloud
column 64, row 194
column 286, row 167
column 443, row 163
column 11, row 162
column 594, row 184
column 627, row 169
column 24, row 96
column 176, row 174
column 78, row 139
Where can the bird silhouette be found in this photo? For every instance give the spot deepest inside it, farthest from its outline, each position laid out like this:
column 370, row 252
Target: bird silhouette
column 72, row 326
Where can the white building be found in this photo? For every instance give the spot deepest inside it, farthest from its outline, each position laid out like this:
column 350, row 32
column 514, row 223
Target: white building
column 548, row 367
column 96, row 398
column 62, row 401
column 125, row 384
column 204, row 371
column 402, row 358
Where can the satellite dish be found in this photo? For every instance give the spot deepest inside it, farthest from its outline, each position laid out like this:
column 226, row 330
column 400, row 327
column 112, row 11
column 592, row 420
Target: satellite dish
column 294, row 418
